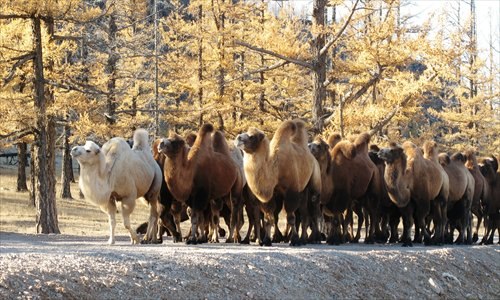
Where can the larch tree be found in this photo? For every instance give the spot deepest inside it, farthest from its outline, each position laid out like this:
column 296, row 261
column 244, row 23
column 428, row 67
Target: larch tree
column 38, row 24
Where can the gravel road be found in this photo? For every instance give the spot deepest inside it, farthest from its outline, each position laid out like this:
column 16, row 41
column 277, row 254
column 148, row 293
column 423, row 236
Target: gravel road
column 84, row 267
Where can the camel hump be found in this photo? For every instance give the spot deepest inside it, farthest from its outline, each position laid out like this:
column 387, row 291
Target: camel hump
column 444, row 159
column 363, row 139
column 220, row 144
column 458, row 157
column 430, row 149
column 333, row 140
column 141, row 137
column 206, row 128
column 300, row 135
column 347, row 149
column 283, row 134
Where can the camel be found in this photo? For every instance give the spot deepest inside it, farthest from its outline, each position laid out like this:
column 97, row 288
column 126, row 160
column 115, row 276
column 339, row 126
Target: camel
column 480, row 190
column 354, row 178
column 282, row 167
column 234, row 161
column 197, row 175
column 460, row 195
column 321, row 151
column 388, row 212
column 117, row 172
column 489, row 169
column 413, row 183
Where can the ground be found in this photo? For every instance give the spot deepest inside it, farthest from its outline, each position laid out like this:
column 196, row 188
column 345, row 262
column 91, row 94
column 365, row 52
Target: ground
column 78, row 264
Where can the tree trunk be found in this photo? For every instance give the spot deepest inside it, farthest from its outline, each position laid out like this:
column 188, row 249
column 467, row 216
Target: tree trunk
column 319, row 67
column 67, row 168
column 22, row 159
column 111, row 69
column 200, row 64
column 32, row 178
column 46, row 216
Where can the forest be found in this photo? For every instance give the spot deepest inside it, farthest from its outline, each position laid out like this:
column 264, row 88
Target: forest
column 73, row 70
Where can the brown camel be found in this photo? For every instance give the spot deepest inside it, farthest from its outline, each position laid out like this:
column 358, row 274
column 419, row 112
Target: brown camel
column 234, row 200
column 388, row 212
column 480, row 190
column 489, row 169
column 354, row 178
column 282, row 167
column 413, row 183
column 460, row 196
column 196, row 175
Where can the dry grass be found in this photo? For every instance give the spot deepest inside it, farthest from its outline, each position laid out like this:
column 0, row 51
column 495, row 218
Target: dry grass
column 76, row 216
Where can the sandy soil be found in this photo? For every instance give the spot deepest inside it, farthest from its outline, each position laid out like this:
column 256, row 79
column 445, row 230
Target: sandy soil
column 79, row 265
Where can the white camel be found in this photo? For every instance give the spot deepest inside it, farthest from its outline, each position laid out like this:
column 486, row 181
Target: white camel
column 116, row 172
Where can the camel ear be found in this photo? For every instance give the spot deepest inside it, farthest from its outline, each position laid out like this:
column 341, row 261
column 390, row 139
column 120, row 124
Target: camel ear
column 494, row 163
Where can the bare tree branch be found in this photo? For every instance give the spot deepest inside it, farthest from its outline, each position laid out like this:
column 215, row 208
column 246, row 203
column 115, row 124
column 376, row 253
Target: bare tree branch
column 272, row 53
column 21, row 60
column 263, row 69
column 15, row 135
column 354, row 96
column 341, row 31
column 6, row 17
column 82, row 88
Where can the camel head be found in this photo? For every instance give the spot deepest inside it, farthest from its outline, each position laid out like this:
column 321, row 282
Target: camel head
column 172, row 145
column 488, row 167
column 392, row 154
column 444, row 159
column 250, row 141
column 319, row 149
column 88, row 153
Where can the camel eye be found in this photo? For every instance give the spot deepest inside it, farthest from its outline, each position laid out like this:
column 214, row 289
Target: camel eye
column 88, row 151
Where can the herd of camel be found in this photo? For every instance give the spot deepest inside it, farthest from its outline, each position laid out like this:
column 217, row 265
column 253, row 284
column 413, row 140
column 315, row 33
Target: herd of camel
column 320, row 185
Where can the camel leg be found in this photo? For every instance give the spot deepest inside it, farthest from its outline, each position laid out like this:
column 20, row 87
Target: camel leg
column 215, row 206
column 421, row 211
column 476, row 210
column 278, row 205
column 110, row 210
column 292, row 202
column 394, row 223
column 305, row 221
column 359, row 212
column 127, row 208
column 407, row 213
column 268, row 209
column 236, row 208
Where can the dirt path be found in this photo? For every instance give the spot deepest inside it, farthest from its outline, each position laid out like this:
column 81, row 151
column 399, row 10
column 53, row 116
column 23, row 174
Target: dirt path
column 83, row 267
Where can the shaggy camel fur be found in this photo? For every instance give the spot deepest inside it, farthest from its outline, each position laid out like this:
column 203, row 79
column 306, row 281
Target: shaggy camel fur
column 413, row 183
column 460, row 196
column 116, row 172
column 282, row 167
column 489, row 169
column 480, row 190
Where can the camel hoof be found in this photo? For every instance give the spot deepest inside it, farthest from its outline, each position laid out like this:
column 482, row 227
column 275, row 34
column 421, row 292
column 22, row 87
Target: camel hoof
column 191, row 241
column 267, row 242
column 245, row 242
column 407, row 244
column 475, row 238
column 229, row 240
